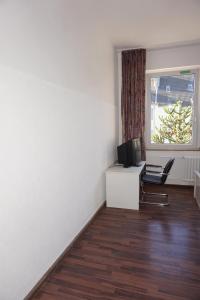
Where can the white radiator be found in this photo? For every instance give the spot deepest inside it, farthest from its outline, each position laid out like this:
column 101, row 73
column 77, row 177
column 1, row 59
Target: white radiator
column 191, row 164
column 183, row 170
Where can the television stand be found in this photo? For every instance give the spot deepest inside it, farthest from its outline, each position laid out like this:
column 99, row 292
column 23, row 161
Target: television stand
column 123, row 186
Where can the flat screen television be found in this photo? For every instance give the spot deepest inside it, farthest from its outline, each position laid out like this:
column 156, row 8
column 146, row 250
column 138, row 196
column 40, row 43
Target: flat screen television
column 129, row 153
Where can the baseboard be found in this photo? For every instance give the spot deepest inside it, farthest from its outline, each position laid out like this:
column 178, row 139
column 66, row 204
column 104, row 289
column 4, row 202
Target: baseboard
column 177, row 181
column 179, row 186
column 39, row 283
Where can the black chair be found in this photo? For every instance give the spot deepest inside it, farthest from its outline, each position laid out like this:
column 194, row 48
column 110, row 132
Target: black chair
column 155, row 177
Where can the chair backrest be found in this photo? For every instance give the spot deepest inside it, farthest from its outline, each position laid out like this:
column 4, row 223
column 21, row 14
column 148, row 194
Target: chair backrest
column 167, row 169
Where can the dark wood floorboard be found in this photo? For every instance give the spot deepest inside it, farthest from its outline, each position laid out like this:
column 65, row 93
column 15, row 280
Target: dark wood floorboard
column 152, row 254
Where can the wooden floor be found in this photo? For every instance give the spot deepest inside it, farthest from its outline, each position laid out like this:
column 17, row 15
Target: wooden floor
column 125, row 255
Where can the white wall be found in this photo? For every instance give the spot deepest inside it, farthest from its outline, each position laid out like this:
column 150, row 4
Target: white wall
column 171, row 57
column 157, row 59
column 57, row 133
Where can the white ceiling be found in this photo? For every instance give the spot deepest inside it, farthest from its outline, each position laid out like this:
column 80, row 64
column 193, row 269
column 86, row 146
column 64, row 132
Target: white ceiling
column 146, row 23
column 126, row 23
column 52, row 36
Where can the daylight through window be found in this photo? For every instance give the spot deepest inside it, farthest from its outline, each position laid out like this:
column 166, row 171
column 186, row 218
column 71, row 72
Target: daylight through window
column 171, row 103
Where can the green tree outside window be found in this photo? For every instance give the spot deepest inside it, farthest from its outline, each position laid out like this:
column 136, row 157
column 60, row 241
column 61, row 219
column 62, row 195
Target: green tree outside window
column 175, row 126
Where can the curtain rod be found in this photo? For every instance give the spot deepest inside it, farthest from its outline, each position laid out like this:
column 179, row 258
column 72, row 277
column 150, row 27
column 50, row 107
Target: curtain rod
column 119, row 50
column 125, row 49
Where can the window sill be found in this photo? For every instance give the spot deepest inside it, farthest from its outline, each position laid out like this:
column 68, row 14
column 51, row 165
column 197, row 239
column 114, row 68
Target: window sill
column 168, row 149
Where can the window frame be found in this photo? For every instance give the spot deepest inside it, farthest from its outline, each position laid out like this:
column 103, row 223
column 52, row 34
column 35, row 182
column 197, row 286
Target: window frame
column 195, row 145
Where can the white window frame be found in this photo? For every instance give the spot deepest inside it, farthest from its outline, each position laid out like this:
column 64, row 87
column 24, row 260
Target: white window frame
column 195, row 145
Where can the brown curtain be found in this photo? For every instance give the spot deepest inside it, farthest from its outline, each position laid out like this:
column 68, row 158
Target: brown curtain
column 133, row 95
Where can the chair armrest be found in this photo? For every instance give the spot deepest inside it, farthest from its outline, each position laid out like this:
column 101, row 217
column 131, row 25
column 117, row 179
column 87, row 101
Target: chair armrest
column 156, row 172
column 153, row 172
column 165, row 174
column 153, row 166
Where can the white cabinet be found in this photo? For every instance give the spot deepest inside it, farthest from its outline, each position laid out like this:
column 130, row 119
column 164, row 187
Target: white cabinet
column 197, row 187
column 123, row 186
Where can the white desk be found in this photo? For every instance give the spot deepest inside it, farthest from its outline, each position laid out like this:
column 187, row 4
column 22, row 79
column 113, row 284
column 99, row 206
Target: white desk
column 123, row 186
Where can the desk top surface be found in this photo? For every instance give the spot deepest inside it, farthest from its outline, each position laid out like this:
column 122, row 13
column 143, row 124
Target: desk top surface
column 121, row 169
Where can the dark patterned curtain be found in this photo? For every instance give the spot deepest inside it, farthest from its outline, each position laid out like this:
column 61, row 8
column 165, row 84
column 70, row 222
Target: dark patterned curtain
column 133, row 95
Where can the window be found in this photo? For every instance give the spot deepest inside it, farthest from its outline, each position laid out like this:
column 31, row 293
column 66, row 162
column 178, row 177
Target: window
column 171, row 110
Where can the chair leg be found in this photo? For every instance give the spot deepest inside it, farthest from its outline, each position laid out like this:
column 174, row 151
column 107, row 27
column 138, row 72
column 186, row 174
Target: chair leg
column 143, row 193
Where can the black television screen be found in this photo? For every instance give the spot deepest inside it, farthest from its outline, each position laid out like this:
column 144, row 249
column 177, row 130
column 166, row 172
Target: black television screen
column 129, row 153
